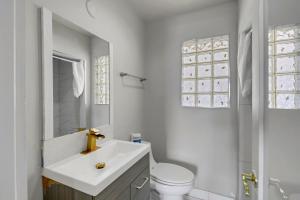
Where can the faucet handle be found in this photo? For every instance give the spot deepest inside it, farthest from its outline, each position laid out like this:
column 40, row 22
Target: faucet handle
column 95, row 132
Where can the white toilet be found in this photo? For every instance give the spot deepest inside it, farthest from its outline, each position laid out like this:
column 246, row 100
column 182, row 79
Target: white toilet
column 169, row 181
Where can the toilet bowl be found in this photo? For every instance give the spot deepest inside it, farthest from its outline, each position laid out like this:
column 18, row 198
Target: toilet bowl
column 169, row 181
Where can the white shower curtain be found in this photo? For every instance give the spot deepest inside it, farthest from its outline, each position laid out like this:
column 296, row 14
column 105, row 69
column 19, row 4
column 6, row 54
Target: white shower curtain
column 78, row 78
column 245, row 63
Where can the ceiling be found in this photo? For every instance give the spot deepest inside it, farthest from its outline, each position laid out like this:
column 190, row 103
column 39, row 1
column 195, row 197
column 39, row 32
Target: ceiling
column 153, row 9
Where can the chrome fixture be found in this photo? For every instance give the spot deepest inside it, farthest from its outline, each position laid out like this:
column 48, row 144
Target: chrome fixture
column 62, row 56
column 122, row 74
column 276, row 182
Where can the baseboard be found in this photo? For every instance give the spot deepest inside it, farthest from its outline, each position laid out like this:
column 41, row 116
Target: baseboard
column 198, row 194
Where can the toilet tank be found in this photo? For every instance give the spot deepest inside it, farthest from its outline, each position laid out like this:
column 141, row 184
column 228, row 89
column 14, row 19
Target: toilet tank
column 152, row 161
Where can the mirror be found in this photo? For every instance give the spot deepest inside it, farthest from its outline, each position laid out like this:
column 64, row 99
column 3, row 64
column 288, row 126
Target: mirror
column 79, row 79
column 282, row 117
column 283, row 44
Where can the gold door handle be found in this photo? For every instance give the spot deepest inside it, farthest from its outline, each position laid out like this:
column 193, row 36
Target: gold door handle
column 246, row 178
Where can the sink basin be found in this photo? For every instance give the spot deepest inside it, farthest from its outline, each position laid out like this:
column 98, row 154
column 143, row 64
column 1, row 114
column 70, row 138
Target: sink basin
column 80, row 173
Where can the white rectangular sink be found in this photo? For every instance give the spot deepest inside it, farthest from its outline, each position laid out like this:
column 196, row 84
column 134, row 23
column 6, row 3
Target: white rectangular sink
column 80, row 173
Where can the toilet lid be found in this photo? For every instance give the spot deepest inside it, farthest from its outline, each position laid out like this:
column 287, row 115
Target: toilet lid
column 171, row 173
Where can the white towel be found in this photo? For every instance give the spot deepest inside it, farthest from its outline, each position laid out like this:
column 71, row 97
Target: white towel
column 245, row 63
column 78, row 78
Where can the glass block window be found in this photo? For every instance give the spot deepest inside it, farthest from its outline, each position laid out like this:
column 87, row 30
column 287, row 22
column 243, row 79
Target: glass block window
column 284, row 67
column 206, row 73
column 102, row 80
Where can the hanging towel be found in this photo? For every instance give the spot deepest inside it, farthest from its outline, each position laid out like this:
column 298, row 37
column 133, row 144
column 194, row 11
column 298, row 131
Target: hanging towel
column 245, row 63
column 78, row 78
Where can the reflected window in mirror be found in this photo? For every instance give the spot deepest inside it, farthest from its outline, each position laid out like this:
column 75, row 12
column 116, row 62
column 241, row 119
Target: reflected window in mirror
column 284, row 67
column 102, row 80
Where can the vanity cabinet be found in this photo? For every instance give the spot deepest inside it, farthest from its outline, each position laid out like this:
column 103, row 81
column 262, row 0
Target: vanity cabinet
column 134, row 184
column 139, row 188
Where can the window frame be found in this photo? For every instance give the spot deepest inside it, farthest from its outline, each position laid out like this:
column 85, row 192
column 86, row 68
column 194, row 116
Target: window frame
column 272, row 74
column 212, row 77
column 106, row 77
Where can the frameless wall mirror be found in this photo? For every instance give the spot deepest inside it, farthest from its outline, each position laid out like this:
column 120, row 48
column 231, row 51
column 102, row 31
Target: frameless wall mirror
column 76, row 69
column 284, row 54
column 282, row 117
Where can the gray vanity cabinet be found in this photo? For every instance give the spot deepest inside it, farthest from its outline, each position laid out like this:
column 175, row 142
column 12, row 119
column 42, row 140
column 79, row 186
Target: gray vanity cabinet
column 134, row 184
column 127, row 184
column 139, row 188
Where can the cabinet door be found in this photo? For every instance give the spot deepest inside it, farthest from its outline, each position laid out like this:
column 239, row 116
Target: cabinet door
column 117, row 188
column 140, row 187
column 125, row 195
column 62, row 192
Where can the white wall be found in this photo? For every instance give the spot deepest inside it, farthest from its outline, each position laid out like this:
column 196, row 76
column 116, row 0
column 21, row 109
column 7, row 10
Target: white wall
column 203, row 140
column 7, row 84
column 282, row 126
column 12, row 135
column 114, row 22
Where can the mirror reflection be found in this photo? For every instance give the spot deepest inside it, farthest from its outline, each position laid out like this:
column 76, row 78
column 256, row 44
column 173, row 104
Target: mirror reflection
column 283, row 99
column 284, row 42
column 81, row 68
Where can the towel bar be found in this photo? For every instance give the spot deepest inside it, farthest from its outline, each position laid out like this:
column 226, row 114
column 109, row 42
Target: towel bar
column 122, row 74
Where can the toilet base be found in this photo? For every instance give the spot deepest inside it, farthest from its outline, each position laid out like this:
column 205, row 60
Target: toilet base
column 171, row 197
column 156, row 196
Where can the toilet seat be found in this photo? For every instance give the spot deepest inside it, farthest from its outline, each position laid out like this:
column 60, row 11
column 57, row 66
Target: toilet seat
column 170, row 174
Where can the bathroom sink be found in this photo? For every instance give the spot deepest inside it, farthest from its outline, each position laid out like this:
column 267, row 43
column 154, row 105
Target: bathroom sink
column 80, row 172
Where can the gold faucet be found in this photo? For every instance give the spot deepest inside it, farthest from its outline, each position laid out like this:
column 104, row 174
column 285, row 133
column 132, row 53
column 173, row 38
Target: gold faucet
column 93, row 135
